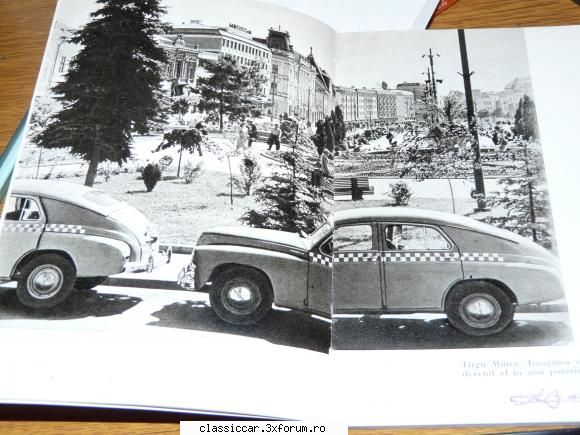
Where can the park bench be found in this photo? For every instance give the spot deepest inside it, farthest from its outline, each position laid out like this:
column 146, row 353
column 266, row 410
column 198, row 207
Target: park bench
column 355, row 186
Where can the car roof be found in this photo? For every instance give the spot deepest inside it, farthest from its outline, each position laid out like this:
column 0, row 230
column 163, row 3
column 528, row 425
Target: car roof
column 417, row 215
column 77, row 194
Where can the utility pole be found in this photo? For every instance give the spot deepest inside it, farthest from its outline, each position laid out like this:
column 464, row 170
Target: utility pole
column 472, row 123
column 429, row 102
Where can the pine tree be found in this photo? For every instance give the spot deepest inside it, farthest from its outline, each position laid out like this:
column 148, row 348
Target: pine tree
column 450, row 109
column 113, row 87
column 250, row 174
column 340, row 127
column 287, row 199
column 526, row 123
column 229, row 88
column 526, row 201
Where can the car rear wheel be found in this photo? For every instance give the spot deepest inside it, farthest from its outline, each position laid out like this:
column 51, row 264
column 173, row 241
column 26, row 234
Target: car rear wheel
column 45, row 281
column 479, row 308
column 87, row 283
column 241, row 296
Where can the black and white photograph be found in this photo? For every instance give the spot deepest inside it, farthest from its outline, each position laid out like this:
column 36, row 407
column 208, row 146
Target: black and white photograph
column 442, row 214
column 175, row 174
column 221, row 168
column 232, row 207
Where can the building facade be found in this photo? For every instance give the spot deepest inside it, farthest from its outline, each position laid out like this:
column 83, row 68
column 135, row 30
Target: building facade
column 499, row 103
column 293, row 78
column 57, row 59
column 419, row 91
column 182, row 65
column 236, row 41
column 375, row 106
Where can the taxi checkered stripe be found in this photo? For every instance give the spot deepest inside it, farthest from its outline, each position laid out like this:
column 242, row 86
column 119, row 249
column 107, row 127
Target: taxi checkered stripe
column 418, row 256
column 21, row 227
column 354, row 257
column 402, row 257
column 481, row 257
column 64, row 228
column 322, row 259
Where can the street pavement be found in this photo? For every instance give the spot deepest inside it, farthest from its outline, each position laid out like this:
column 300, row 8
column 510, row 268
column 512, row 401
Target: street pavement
column 116, row 308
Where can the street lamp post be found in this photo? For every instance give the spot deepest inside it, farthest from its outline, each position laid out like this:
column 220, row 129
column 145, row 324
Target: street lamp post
column 472, row 123
column 432, row 76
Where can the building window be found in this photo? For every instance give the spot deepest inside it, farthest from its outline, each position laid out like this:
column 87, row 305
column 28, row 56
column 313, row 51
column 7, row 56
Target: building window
column 62, row 65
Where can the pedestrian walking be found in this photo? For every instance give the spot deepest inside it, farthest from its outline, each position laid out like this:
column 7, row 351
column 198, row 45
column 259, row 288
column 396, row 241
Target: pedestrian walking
column 253, row 134
column 274, row 138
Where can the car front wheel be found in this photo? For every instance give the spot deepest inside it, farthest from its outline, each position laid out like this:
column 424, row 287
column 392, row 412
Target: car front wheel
column 241, row 296
column 479, row 308
column 45, row 281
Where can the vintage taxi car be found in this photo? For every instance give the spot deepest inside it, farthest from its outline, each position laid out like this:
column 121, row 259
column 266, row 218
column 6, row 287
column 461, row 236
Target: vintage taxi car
column 58, row 236
column 376, row 261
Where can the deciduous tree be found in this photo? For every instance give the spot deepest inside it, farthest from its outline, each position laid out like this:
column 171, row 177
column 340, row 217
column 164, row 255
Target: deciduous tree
column 229, row 88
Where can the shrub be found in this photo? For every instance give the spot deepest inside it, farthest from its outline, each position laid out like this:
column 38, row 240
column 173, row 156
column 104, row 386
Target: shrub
column 250, row 175
column 151, row 175
column 400, row 192
column 109, row 168
column 191, row 171
column 165, row 162
column 48, row 175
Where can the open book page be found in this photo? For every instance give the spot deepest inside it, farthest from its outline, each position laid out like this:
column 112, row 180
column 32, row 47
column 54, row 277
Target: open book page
column 196, row 132
column 443, row 142
column 188, row 224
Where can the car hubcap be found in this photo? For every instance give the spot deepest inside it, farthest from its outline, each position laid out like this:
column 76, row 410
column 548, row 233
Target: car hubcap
column 241, row 298
column 480, row 310
column 44, row 282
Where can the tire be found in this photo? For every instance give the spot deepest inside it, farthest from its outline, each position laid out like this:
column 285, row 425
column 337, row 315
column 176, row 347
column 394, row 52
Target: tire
column 45, row 281
column 88, row 283
column 241, row 296
column 479, row 308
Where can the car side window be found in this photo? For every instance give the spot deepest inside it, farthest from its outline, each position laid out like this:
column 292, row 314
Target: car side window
column 326, row 247
column 22, row 209
column 353, row 238
column 404, row 237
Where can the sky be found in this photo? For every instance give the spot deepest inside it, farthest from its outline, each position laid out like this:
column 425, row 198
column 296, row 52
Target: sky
column 496, row 57
column 356, row 58
column 305, row 32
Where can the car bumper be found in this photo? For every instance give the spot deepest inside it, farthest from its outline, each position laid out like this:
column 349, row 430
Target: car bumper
column 135, row 266
column 186, row 278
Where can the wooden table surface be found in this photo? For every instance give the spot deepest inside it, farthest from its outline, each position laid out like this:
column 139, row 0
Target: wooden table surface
column 24, row 27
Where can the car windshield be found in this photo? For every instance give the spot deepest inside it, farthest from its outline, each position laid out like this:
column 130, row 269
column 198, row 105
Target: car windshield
column 322, row 232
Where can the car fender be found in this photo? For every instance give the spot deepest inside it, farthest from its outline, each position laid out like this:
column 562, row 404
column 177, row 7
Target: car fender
column 531, row 283
column 287, row 273
column 91, row 255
